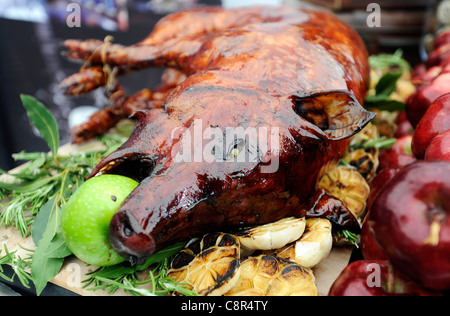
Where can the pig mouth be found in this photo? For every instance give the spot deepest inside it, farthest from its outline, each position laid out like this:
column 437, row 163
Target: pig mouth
column 137, row 167
column 125, row 232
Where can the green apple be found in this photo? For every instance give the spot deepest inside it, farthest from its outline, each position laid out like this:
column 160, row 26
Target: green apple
column 86, row 216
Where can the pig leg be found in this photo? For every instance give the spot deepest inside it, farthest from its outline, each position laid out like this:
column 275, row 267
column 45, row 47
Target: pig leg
column 122, row 106
column 174, row 53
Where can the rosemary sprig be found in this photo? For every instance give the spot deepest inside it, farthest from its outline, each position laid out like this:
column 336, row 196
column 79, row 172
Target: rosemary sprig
column 131, row 279
column 19, row 266
column 347, row 235
column 382, row 142
column 20, row 211
column 32, row 197
column 31, row 188
column 43, row 177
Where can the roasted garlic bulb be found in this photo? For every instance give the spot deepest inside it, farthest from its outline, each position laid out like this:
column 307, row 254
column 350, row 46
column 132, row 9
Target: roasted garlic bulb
column 314, row 245
column 273, row 235
column 368, row 134
column 361, row 154
column 348, row 185
column 208, row 266
column 269, row 275
column 365, row 161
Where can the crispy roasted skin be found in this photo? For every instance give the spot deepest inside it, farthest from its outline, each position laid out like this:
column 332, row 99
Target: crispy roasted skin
column 300, row 73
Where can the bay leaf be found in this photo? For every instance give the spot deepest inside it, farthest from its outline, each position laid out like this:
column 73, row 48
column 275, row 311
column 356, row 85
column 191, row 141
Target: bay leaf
column 51, row 249
column 43, row 120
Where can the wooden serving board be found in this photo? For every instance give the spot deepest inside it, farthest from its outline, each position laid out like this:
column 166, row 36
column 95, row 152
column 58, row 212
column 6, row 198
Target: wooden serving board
column 74, row 271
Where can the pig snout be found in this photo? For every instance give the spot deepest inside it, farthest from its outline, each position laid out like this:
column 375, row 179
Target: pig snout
column 127, row 237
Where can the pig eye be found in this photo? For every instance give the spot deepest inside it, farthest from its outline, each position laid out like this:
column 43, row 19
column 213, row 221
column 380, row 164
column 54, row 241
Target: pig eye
column 235, row 148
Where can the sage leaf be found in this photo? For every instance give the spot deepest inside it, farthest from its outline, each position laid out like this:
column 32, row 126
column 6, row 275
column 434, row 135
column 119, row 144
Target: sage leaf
column 43, row 120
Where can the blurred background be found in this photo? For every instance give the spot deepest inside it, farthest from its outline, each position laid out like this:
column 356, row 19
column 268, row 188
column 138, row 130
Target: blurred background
column 30, row 53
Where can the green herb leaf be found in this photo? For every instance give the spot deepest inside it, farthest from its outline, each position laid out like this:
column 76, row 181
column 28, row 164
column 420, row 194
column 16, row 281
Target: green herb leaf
column 388, row 83
column 58, row 248
column 26, row 186
column 114, row 271
column 382, row 142
column 161, row 255
column 351, row 238
column 19, row 266
column 50, row 252
column 392, row 66
column 385, row 87
column 125, row 277
column 384, row 104
column 49, row 268
column 41, row 221
column 43, row 120
column 386, row 61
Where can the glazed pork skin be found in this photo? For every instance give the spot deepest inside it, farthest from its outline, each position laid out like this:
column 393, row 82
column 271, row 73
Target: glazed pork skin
column 300, row 73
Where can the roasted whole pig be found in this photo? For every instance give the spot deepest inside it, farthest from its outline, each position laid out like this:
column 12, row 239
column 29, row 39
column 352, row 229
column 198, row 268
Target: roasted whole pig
column 261, row 102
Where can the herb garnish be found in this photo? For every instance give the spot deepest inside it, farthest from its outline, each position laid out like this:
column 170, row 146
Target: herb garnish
column 32, row 199
column 393, row 66
column 350, row 237
column 19, row 266
column 127, row 278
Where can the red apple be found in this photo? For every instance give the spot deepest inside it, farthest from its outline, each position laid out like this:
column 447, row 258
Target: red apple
column 435, row 121
column 370, row 250
column 423, row 78
column 399, row 155
column 410, row 221
column 368, row 246
column 419, row 70
column 378, row 183
column 439, row 148
column 418, row 103
column 375, row 278
column 438, row 55
column 404, row 127
column 446, row 65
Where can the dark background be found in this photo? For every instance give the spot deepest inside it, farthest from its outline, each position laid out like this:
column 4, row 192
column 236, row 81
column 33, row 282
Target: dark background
column 31, row 63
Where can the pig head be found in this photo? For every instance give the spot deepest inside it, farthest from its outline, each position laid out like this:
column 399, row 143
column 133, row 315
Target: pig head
column 230, row 167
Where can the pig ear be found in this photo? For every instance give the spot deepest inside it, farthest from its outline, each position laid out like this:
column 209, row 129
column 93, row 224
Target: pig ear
column 337, row 114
